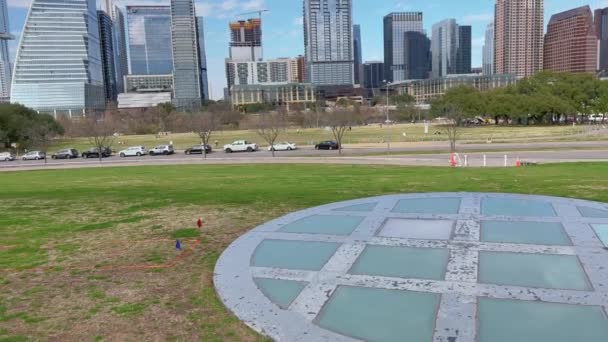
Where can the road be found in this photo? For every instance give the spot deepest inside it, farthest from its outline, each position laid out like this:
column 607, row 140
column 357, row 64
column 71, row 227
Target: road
column 365, row 155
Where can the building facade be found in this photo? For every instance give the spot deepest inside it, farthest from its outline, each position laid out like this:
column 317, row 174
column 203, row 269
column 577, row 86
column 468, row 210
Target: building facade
column 58, row 68
column 373, row 75
column 5, row 62
column 358, row 53
column 488, row 51
column 395, row 27
column 417, row 61
column 463, row 52
column 106, row 38
column 424, row 91
column 149, row 37
column 328, row 42
column 601, row 31
column 444, row 47
column 148, row 83
column 279, row 95
column 246, row 40
column 186, row 70
column 272, row 71
column 518, row 32
column 571, row 42
column 121, row 60
column 202, row 55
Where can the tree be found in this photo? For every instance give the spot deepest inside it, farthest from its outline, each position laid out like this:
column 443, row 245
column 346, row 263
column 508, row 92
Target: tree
column 340, row 121
column 269, row 126
column 21, row 125
column 41, row 133
column 205, row 124
column 100, row 132
column 164, row 112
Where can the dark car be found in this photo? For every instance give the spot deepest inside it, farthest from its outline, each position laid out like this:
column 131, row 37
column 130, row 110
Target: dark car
column 68, row 153
column 198, row 149
column 327, row 145
column 94, row 153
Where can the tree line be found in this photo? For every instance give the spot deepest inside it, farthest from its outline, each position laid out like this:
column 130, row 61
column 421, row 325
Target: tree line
column 545, row 98
column 23, row 128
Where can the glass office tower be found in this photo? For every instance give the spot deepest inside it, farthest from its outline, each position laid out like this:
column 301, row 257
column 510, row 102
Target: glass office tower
column 186, row 70
column 5, row 63
column 149, row 36
column 58, row 64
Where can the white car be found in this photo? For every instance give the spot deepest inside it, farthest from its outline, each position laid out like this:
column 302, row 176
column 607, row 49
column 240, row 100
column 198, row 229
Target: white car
column 283, row 146
column 240, row 146
column 135, row 151
column 162, row 150
column 34, row 155
column 7, row 156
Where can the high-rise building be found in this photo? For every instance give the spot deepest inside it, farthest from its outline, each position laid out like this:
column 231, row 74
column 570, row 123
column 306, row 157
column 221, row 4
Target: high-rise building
column 373, row 76
column 301, row 60
column 463, row 52
column 202, row 55
column 186, row 70
column 444, row 46
column 571, row 42
column 246, row 40
column 106, row 35
column 601, row 31
column 395, row 27
column 121, row 60
column 417, row 61
column 357, row 52
column 488, row 51
column 272, row 71
column 149, row 36
column 58, row 68
column 518, row 32
column 328, row 42
column 5, row 62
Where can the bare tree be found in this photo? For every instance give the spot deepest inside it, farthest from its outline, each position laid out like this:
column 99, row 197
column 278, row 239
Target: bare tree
column 454, row 121
column 100, row 133
column 269, row 126
column 205, row 124
column 340, row 120
column 41, row 136
column 164, row 112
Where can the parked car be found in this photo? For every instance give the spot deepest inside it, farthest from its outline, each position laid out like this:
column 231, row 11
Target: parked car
column 94, row 153
column 34, row 155
column 327, row 145
column 283, row 146
column 198, row 149
column 241, row 146
column 134, row 151
column 7, row 156
column 162, row 149
column 68, row 153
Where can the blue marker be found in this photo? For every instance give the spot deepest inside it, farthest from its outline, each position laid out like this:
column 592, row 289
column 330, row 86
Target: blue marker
column 178, row 245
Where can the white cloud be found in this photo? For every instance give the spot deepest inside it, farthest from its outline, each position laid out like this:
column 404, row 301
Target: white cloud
column 299, row 21
column 19, row 3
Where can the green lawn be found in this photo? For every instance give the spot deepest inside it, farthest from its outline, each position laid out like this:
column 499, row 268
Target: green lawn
column 70, row 224
column 371, row 134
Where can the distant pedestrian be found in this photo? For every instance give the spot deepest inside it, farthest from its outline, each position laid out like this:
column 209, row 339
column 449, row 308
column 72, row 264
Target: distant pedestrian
column 216, row 143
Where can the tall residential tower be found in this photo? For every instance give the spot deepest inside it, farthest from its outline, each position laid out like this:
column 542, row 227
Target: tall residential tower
column 328, row 41
column 395, row 27
column 58, row 68
column 518, row 32
column 358, row 54
column 601, row 31
column 246, row 40
column 488, row 51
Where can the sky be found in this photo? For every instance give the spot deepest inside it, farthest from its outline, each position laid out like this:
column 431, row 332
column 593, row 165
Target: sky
column 282, row 25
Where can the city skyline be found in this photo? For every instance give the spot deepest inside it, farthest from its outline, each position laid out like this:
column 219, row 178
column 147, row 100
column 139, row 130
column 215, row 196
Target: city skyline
column 285, row 20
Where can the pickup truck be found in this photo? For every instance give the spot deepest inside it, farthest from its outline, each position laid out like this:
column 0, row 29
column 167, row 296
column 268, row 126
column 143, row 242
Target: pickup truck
column 240, row 146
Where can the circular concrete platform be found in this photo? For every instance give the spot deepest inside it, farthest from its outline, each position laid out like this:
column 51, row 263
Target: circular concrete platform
column 425, row 267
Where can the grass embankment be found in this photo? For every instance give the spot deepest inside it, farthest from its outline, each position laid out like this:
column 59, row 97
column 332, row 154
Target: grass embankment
column 68, row 238
column 372, row 134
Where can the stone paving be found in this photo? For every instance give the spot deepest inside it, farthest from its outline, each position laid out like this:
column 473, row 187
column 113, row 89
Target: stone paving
column 390, row 261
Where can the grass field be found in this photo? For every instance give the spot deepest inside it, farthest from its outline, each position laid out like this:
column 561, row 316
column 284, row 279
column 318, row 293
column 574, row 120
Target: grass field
column 88, row 254
column 359, row 135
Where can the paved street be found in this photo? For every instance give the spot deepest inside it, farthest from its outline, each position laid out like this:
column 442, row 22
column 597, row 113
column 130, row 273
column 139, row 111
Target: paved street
column 372, row 155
